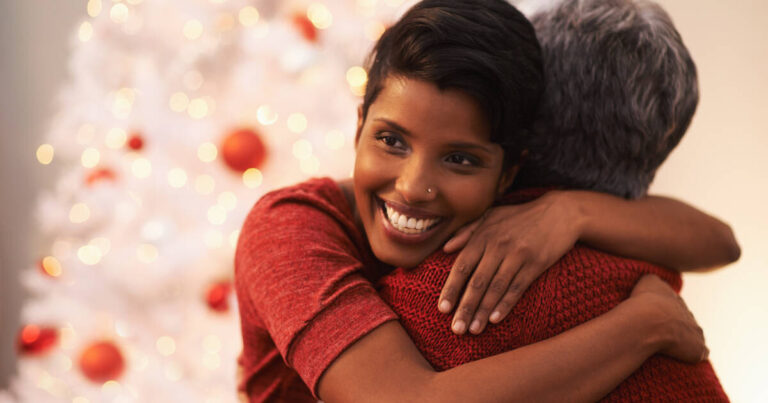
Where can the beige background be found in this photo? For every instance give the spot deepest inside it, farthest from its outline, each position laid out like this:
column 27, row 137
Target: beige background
column 720, row 165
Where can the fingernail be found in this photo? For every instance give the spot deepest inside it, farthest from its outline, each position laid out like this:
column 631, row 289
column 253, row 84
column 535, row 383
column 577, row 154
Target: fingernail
column 445, row 306
column 459, row 326
column 495, row 316
column 475, row 326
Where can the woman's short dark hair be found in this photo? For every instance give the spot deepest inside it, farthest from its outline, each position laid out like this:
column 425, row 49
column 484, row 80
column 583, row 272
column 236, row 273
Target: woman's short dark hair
column 484, row 48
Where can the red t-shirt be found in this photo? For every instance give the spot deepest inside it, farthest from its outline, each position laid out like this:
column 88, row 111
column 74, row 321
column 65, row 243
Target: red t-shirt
column 582, row 285
column 303, row 275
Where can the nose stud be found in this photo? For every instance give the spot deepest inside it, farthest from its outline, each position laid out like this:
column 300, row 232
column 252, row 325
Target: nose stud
column 429, row 190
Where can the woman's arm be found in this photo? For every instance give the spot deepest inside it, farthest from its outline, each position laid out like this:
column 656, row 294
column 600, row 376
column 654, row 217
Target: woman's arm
column 512, row 245
column 582, row 364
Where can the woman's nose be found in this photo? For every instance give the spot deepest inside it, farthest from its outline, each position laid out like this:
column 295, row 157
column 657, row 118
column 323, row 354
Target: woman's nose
column 416, row 184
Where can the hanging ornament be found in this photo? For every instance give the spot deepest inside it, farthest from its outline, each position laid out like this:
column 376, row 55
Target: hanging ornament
column 217, row 296
column 305, row 27
column 36, row 340
column 102, row 361
column 98, row 175
column 243, row 149
column 135, row 141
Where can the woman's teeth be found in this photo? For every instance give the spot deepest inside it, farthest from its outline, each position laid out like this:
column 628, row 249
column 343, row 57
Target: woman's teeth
column 407, row 224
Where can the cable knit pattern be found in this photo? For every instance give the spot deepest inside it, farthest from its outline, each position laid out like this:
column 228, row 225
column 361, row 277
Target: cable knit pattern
column 582, row 285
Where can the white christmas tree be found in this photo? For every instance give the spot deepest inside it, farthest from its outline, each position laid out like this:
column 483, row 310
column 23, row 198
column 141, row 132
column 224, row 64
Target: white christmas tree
column 178, row 116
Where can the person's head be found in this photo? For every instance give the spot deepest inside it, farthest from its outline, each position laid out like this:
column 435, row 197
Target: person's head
column 620, row 92
column 452, row 87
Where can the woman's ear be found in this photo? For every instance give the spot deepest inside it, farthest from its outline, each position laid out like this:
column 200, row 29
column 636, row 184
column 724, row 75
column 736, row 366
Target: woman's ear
column 360, row 121
column 507, row 178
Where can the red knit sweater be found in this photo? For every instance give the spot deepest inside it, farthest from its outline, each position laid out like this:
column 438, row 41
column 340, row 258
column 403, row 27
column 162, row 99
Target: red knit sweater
column 582, row 285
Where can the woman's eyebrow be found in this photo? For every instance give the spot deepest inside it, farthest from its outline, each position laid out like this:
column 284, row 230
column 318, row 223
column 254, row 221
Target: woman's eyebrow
column 393, row 125
column 473, row 146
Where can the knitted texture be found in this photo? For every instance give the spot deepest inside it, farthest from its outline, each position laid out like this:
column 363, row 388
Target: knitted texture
column 582, row 285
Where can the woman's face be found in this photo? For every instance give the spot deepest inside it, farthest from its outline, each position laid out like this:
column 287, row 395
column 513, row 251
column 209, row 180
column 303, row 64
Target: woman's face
column 425, row 166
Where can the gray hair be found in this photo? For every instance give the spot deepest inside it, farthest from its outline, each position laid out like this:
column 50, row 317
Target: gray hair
column 621, row 90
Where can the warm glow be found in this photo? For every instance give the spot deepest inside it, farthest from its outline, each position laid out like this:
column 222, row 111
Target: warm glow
column 204, row 184
column 319, row 15
column 90, row 157
column 356, row 76
column 51, row 266
column 217, row 215
column 102, row 243
column 334, row 139
column 212, row 344
column 172, row 372
column 211, row 361
column 310, row 166
column 123, row 103
column 115, row 138
column 85, row 32
column 141, row 167
column 179, row 102
column 79, row 213
column 214, row 239
column 266, row 115
column 302, row 149
column 297, row 122
column 177, row 177
column 193, row 29
column 197, row 108
column 165, row 345
column 45, row 154
column 228, row 200
column 119, row 13
column 147, row 253
column 89, row 254
column 248, row 16
column 94, row 8
column 252, row 178
column 111, row 387
column 207, row 152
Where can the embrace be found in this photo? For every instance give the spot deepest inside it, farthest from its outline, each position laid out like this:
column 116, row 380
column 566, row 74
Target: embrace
column 496, row 241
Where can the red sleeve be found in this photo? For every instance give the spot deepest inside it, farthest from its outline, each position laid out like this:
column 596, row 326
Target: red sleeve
column 300, row 270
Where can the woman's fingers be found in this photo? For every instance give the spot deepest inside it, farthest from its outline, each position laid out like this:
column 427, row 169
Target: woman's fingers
column 520, row 283
column 474, row 292
column 496, row 289
column 462, row 268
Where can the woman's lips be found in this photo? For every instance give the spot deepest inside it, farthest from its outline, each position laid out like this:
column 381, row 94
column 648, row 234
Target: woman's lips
column 406, row 229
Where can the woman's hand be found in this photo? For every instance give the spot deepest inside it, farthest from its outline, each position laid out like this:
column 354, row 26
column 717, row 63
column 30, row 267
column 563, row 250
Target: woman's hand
column 681, row 336
column 503, row 253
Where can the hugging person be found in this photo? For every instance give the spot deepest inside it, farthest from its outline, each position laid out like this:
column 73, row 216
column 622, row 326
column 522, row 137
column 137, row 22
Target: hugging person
column 453, row 89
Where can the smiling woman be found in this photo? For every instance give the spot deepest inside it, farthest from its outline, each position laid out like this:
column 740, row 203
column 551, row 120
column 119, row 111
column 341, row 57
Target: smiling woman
column 452, row 87
column 442, row 170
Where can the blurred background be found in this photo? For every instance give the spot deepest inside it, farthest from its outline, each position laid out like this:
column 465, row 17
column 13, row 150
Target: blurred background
column 135, row 135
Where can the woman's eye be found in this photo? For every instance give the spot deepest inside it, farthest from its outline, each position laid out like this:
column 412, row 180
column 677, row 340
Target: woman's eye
column 461, row 160
column 390, row 140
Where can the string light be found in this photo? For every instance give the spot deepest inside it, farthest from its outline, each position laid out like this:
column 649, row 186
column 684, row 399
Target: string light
column 90, row 157
column 320, row 16
column 177, row 178
column 357, row 78
column 85, row 32
column 89, row 254
column 204, row 184
column 197, row 108
column 115, row 138
column 179, row 102
column 248, row 16
column 147, row 253
column 172, row 372
column 228, row 200
column 51, row 266
column 123, row 103
column 310, row 166
column 233, row 238
column 102, row 243
column 297, row 122
column 252, row 178
column 217, row 215
column 207, row 152
column 141, row 168
column 44, row 154
column 266, row 115
column 79, row 213
column 119, row 13
column 165, row 345
column 374, row 29
column 193, row 29
column 94, row 8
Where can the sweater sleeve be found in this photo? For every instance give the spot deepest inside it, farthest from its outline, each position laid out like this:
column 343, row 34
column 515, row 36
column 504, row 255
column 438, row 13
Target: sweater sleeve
column 301, row 274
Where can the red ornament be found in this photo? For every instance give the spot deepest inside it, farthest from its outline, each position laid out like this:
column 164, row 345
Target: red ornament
column 243, row 149
column 305, row 27
column 102, row 361
column 36, row 340
column 98, row 175
column 135, row 142
column 217, row 296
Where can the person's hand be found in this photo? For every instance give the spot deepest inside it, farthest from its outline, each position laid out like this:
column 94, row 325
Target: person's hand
column 682, row 338
column 503, row 253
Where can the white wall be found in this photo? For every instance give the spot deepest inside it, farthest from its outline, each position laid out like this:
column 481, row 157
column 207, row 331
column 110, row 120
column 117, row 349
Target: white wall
column 720, row 165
